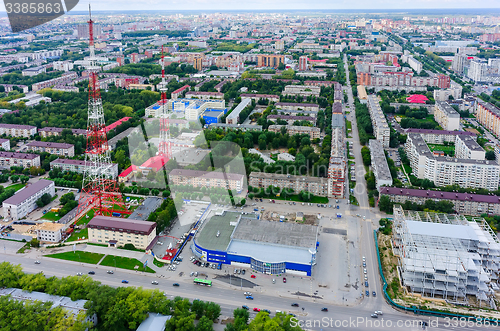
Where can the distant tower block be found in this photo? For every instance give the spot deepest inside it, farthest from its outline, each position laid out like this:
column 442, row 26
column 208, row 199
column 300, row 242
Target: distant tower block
column 165, row 145
column 98, row 190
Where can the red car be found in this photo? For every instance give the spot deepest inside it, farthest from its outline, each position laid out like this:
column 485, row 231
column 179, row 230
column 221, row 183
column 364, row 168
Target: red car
column 253, row 276
column 256, row 309
column 284, row 279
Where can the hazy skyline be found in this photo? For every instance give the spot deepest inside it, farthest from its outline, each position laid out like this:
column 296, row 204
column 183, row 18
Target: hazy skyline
column 140, row 5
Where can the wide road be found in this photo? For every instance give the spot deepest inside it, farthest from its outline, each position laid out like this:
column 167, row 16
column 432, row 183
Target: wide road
column 353, row 318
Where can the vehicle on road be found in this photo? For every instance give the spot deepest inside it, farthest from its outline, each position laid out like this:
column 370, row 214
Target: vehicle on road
column 247, row 293
column 199, row 281
column 367, row 293
column 154, row 282
column 379, row 312
column 293, row 315
column 79, row 274
column 245, row 307
column 242, row 271
column 284, row 279
column 324, row 309
column 267, row 311
column 125, row 281
column 374, row 316
column 374, row 293
column 91, row 272
column 253, row 276
column 110, row 272
column 249, row 297
column 295, row 304
column 256, row 309
column 176, row 284
column 37, row 262
column 364, row 271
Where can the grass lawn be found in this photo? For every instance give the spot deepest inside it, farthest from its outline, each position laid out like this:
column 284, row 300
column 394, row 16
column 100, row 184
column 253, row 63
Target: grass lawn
column 78, row 256
column 348, row 125
column 52, row 216
column 124, row 263
column 17, row 186
column 407, row 169
column 447, row 149
column 83, row 232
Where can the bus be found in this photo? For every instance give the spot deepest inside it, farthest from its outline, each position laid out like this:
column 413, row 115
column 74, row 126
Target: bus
column 205, row 282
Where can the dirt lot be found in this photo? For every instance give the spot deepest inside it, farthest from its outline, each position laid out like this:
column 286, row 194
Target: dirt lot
column 289, row 217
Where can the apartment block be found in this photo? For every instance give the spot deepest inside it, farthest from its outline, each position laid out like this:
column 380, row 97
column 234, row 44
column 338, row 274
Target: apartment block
column 204, row 95
column 210, row 179
column 440, row 136
column 401, row 80
column 234, row 116
column 49, row 232
column 24, row 201
column 264, row 60
column 296, row 129
column 80, row 167
column 16, row 130
column 292, row 119
column 337, row 164
column 444, row 170
column 454, row 91
column 304, row 90
column 463, row 203
column 298, row 106
column 25, row 160
column 5, row 144
column 380, row 167
column 446, row 116
column 49, row 131
column 257, row 97
column 62, row 149
column 381, row 129
column 467, row 147
column 489, row 116
column 66, row 77
column 118, row 232
column 314, row 185
column 242, row 127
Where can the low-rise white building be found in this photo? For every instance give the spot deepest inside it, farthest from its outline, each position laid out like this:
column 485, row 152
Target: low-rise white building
column 25, row 160
column 16, row 130
column 80, row 166
column 24, row 201
column 49, row 232
column 52, row 148
column 5, row 144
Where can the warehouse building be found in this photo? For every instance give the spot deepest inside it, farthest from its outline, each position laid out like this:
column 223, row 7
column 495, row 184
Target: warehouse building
column 446, row 257
column 24, row 201
column 267, row 247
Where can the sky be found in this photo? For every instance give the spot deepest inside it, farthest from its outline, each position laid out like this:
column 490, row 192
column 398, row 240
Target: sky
column 281, row 4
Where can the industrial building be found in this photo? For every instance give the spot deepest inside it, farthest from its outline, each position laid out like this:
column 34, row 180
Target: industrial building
column 379, row 164
column 463, row 203
column 447, row 257
column 24, row 201
column 446, row 116
column 116, row 231
column 268, row 247
column 381, row 129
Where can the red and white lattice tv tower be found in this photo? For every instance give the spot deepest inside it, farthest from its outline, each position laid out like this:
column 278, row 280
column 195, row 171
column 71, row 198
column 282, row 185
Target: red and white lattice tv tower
column 165, row 146
column 99, row 191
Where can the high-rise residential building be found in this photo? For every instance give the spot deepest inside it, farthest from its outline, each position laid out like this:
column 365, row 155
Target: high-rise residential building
column 489, row 116
column 477, row 70
column 198, row 63
column 381, row 129
column 446, row 116
column 83, row 31
column 459, row 62
column 270, row 60
column 303, row 63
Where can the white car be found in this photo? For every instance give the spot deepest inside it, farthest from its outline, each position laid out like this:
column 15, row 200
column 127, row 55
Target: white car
column 79, row 274
column 248, row 293
column 37, row 262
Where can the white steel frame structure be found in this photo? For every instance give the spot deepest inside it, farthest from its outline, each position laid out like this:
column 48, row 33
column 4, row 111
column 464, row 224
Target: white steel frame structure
column 455, row 260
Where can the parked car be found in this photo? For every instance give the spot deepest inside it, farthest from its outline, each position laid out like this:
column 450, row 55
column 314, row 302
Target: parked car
column 125, row 281
column 267, row 311
column 37, row 262
column 256, row 309
column 154, row 282
column 79, row 274
column 110, row 272
column 242, row 271
column 295, row 304
column 245, row 307
column 324, row 309
column 91, row 272
column 176, row 284
column 366, row 284
column 249, row 297
column 367, row 293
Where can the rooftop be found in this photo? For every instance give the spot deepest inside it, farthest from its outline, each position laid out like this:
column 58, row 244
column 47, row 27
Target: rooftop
column 49, row 144
column 27, row 192
column 224, row 225
column 122, row 224
column 440, row 195
column 206, row 174
column 18, row 155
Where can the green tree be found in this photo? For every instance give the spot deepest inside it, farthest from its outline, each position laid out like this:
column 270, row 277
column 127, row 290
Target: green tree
column 14, row 178
column 385, row 204
column 204, row 324
column 490, row 155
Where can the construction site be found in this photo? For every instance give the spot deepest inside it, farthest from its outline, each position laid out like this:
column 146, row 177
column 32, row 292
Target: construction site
column 446, row 258
column 298, row 217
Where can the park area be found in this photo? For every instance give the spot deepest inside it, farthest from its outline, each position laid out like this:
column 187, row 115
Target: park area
column 78, row 256
column 124, row 263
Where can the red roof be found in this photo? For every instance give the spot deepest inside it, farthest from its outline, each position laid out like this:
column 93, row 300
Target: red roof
column 114, row 125
column 155, row 162
column 127, row 171
column 417, row 98
column 181, row 89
